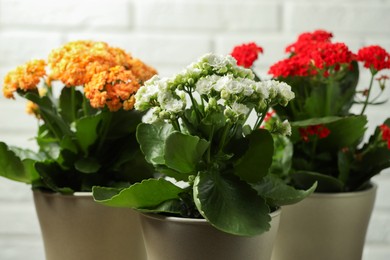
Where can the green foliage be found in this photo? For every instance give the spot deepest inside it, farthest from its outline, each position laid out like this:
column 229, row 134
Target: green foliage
column 278, row 193
column 248, row 167
column 78, row 148
column 208, row 158
column 14, row 167
column 147, row 194
column 183, row 152
column 244, row 213
column 338, row 162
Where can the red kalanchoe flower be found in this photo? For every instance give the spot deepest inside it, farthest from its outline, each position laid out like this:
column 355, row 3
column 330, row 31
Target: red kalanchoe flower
column 374, row 57
column 269, row 115
column 319, row 131
column 332, row 54
column 246, row 54
column 309, row 38
column 382, row 77
column 297, row 65
column 317, row 55
column 385, row 134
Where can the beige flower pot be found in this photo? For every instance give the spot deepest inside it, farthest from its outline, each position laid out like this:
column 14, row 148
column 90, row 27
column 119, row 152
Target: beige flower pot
column 74, row 227
column 325, row 226
column 171, row 238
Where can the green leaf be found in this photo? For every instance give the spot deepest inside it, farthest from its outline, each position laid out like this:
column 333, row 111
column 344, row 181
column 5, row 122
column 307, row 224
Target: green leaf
column 123, row 122
column 151, row 138
column 170, row 206
column 325, row 183
column 86, row 132
column 278, row 193
column 183, row 152
column 255, row 163
column 70, row 101
column 13, row 168
column 230, row 204
column 56, row 125
column 344, row 160
column 315, row 121
column 282, row 158
column 345, row 132
column 171, row 173
column 87, row 165
column 147, row 194
column 58, row 179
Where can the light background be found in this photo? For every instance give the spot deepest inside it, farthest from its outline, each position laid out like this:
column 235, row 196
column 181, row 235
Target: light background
column 170, row 34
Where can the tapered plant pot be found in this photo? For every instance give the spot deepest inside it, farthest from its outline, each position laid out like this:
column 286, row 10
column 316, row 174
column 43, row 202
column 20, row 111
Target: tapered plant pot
column 172, row 238
column 74, row 227
column 325, row 226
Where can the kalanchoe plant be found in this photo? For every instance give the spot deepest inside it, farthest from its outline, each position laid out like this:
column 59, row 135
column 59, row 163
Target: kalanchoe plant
column 328, row 138
column 213, row 163
column 86, row 122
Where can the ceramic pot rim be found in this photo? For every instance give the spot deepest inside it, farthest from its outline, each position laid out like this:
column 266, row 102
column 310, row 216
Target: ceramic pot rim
column 372, row 188
column 191, row 220
column 57, row 194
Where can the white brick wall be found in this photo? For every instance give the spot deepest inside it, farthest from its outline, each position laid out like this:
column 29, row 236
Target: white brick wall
column 170, row 34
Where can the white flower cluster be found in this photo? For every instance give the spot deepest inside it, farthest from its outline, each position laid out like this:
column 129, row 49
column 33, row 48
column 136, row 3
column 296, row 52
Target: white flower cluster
column 160, row 95
column 220, row 83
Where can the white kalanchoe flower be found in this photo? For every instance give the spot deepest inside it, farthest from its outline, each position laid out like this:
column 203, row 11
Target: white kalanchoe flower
column 285, row 94
column 280, row 92
column 234, row 86
column 147, row 93
column 218, row 62
column 206, row 84
column 248, row 86
column 285, row 128
column 152, row 116
column 221, row 83
column 240, row 109
column 262, row 90
column 170, row 103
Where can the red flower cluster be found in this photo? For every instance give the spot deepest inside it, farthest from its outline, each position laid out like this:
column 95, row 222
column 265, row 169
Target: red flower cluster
column 314, row 130
column 385, row 134
column 374, row 57
column 307, row 38
column 246, row 54
column 313, row 52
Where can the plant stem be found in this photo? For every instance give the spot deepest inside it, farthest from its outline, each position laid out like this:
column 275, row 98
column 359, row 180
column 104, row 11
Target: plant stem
column 368, row 93
column 195, row 106
column 329, row 97
column 73, row 103
column 176, row 124
column 208, row 159
column 260, row 120
column 105, row 127
column 223, row 137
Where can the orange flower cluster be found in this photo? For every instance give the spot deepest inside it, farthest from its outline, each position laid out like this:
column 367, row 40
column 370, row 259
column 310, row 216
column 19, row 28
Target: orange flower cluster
column 25, row 77
column 110, row 75
column 114, row 87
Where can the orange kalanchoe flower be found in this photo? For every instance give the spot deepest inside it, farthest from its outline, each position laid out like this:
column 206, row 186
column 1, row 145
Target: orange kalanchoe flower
column 141, row 71
column 114, row 88
column 76, row 62
column 24, row 77
column 32, row 109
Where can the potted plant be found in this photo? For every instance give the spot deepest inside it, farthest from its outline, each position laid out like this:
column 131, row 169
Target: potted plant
column 215, row 196
column 328, row 146
column 86, row 136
